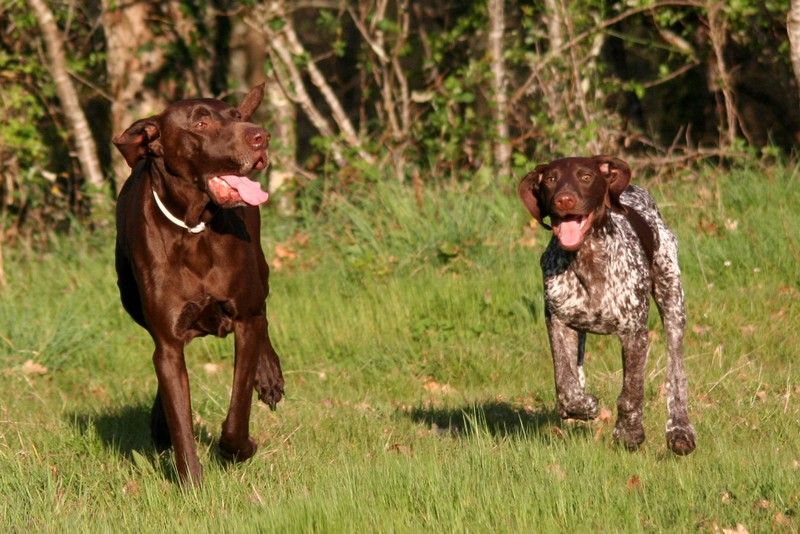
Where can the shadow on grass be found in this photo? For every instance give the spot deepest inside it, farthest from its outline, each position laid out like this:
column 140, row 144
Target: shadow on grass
column 498, row 419
column 125, row 430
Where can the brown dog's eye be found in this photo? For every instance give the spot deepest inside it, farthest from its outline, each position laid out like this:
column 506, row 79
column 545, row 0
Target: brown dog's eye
column 551, row 178
column 586, row 178
column 200, row 125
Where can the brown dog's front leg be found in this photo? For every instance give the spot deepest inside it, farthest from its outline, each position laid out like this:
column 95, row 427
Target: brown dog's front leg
column 573, row 402
column 173, row 392
column 269, row 377
column 235, row 442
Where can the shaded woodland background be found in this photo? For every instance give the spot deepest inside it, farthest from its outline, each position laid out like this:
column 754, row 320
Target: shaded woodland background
column 359, row 91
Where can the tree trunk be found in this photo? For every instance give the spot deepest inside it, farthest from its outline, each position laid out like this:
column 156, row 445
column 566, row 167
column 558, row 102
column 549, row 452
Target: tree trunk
column 248, row 58
column 79, row 127
column 129, row 61
column 502, row 147
column 717, row 32
column 793, row 29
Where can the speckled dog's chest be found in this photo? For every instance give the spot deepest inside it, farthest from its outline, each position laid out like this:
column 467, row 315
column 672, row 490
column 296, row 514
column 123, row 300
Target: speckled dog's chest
column 601, row 288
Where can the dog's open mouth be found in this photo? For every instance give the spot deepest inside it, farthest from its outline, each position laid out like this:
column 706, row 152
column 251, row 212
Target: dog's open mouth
column 571, row 230
column 229, row 190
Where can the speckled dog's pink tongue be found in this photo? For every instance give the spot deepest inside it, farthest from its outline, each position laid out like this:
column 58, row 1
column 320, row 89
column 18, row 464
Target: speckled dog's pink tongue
column 569, row 233
column 249, row 190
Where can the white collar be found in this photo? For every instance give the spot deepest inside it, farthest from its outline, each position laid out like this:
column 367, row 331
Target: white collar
column 194, row 229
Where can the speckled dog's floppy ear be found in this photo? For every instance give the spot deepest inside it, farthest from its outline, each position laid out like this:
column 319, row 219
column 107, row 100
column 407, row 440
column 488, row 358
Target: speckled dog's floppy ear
column 528, row 192
column 618, row 174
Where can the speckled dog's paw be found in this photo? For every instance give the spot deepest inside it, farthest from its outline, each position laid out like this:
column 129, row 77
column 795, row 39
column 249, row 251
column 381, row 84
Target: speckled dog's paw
column 585, row 407
column 681, row 439
column 630, row 436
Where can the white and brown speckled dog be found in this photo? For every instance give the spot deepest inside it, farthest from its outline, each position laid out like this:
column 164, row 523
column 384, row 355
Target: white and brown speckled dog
column 610, row 251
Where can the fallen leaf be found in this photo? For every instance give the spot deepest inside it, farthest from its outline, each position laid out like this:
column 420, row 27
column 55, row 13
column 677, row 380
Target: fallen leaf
column 131, row 487
column 763, row 504
column 634, row 483
column 32, row 368
column 556, row 431
column 748, row 330
column 362, row 406
column 98, row 392
column 726, row 498
column 557, row 471
column 739, row 529
column 761, row 395
column 284, row 251
column 701, row 330
column 405, row 450
column 782, row 520
column 605, row 415
column 211, row 368
column 432, row 386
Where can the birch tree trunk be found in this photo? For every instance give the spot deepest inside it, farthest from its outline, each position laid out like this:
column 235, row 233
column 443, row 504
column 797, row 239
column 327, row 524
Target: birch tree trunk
column 129, row 61
column 76, row 119
column 502, row 147
column 793, row 29
column 248, row 59
column 717, row 32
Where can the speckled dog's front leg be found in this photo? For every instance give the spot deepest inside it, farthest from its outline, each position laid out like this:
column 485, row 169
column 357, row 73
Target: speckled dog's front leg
column 573, row 402
column 629, row 429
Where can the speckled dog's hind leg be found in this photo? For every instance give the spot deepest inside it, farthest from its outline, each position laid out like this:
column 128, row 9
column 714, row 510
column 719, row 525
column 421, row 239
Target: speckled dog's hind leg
column 668, row 293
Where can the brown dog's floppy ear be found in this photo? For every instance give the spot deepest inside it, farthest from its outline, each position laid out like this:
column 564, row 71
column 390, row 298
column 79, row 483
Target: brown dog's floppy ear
column 618, row 174
column 139, row 140
column 528, row 189
column 251, row 102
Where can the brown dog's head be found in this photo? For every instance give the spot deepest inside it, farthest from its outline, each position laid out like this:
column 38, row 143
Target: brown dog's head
column 207, row 142
column 575, row 193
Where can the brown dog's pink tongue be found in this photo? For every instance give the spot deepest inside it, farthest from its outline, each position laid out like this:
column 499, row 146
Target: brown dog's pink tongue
column 569, row 233
column 249, row 190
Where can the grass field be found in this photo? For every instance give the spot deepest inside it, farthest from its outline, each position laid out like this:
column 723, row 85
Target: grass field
column 419, row 385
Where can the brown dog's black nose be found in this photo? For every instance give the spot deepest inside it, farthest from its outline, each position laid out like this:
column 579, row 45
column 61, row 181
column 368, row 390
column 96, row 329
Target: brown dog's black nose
column 257, row 138
column 565, row 201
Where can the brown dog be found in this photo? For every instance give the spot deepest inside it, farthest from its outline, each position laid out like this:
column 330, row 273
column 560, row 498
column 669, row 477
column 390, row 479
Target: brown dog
column 189, row 260
column 610, row 251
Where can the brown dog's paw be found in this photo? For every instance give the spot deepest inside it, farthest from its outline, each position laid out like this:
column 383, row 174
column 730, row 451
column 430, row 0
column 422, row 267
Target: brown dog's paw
column 237, row 453
column 584, row 408
column 269, row 383
column 681, row 439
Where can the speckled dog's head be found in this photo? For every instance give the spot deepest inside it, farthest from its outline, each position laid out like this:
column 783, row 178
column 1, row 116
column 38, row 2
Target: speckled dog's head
column 576, row 193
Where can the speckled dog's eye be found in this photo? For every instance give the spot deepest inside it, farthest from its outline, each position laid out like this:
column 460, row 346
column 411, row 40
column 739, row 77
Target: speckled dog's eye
column 586, row 178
